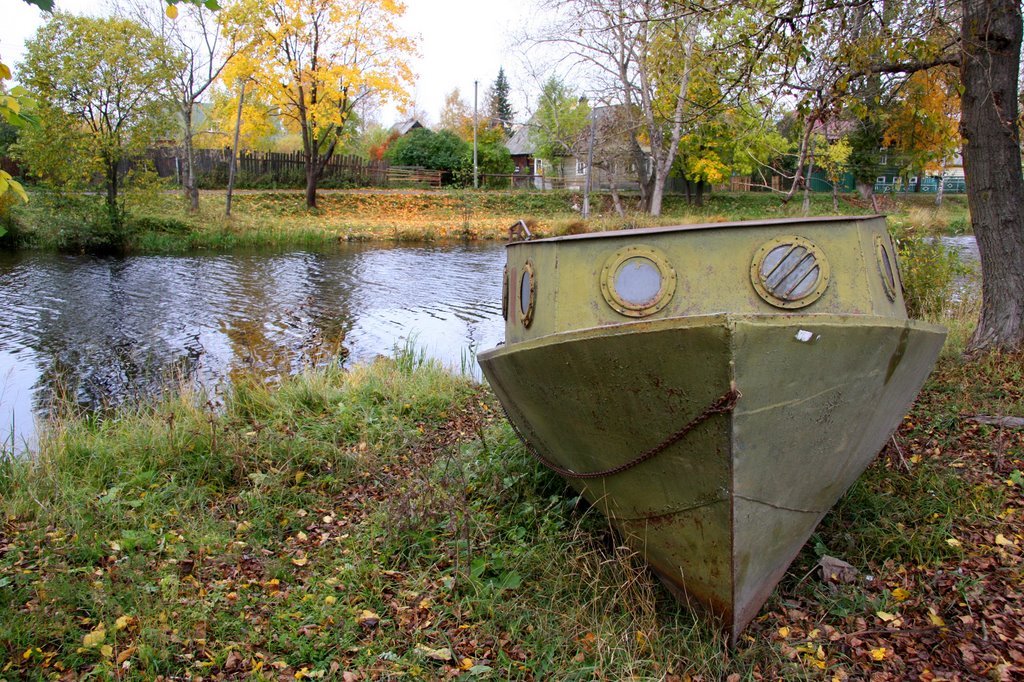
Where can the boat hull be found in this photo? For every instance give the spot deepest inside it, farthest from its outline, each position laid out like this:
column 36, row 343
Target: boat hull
column 721, row 513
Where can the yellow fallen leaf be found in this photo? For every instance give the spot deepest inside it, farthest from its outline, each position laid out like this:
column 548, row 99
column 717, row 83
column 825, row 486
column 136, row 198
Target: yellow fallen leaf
column 368, row 619
column 442, row 654
column 784, row 632
column 122, row 622
column 330, row 599
column 95, row 637
column 466, row 663
column 953, row 542
column 1002, row 541
column 878, row 654
column 300, row 561
column 900, row 594
column 935, row 618
column 107, row 651
column 886, row 617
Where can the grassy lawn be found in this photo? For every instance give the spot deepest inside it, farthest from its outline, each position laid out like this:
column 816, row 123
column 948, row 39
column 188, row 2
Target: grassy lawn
column 158, row 222
column 384, row 523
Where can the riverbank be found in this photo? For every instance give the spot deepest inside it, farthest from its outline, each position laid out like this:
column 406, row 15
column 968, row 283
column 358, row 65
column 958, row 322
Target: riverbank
column 384, row 522
column 159, row 223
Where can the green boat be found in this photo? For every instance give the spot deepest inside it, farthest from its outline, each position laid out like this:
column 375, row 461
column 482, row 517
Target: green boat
column 712, row 389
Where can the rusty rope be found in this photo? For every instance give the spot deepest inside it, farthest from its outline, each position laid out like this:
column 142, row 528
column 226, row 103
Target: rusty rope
column 725, row 403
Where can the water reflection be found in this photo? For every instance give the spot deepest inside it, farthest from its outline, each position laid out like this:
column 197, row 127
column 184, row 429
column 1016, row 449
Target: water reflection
column 109, row 329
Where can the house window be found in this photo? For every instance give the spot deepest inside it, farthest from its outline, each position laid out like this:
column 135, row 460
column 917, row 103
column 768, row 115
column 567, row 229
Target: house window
column 880, row 179
column 538, row 167
column 884, row 155
column 913, row 181
column 581, row 167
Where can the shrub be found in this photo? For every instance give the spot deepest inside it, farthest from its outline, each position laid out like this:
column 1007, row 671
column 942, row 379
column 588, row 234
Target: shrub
column 930, row 274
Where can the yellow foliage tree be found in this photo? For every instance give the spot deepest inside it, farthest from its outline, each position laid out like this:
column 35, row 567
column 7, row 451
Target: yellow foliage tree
column 457, row 115
column 925, row 123
column 318, row 59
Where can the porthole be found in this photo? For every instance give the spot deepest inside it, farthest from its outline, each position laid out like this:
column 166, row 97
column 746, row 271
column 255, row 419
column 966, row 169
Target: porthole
column 504, row 293
column 789, row 272
column 886, row 268
column 527, row 294
column 638, row 281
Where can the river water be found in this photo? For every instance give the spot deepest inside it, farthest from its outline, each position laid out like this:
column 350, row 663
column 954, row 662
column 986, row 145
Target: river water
column 99, row 331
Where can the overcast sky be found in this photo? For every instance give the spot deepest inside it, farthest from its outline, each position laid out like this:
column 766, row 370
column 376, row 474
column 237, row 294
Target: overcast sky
column 460, row 41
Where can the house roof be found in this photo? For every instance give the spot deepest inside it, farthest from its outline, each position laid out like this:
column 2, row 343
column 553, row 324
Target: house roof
column 402, row 127
column 519, row 144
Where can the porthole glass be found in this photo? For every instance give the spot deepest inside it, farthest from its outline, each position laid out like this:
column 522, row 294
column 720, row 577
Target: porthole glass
column 790, row 272
column 638, row 281
column 527, row 294
column 885, row 267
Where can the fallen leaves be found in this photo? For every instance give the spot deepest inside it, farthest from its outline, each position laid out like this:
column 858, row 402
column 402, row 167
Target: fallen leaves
column 95, row 637
column 368, row 619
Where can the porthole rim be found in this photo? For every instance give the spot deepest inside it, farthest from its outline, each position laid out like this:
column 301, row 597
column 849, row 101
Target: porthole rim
column 610, row 271
column 526, row 317
column 824, row 272
column 880, row 249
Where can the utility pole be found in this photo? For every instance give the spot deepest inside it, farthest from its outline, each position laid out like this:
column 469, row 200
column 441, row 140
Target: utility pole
column 476, row 176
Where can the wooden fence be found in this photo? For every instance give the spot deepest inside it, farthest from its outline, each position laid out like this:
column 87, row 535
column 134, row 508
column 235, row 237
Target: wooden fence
column 279, row 168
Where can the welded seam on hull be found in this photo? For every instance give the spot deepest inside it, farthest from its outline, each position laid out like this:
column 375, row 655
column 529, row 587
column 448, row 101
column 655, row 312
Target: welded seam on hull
column 778, row 506
column 666, row 515
column 799, row 401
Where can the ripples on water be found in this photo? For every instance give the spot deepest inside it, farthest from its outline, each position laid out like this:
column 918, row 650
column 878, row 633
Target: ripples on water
column 110, row 329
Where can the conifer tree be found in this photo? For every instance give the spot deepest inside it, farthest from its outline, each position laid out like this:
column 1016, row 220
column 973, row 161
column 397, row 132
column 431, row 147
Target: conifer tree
column 500, row 108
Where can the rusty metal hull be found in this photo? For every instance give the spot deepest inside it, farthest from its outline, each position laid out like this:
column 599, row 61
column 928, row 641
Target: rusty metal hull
column 721, row 513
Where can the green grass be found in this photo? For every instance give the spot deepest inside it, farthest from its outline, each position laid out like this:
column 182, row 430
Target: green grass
column 158, row 222
column 385, row 520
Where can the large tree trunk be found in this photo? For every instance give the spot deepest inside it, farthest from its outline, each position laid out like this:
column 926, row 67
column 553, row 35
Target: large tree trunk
column 991, row 38
column 312, row 181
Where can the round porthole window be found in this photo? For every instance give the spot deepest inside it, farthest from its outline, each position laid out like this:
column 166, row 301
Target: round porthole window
column 527, row 294
column 504, row 293
column 638, row 281
column 886, row 267
column 789, row 272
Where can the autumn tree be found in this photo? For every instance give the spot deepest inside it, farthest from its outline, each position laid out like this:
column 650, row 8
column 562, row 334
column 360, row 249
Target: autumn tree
column 101, row 86
column 259, row 116
column 923, row 125
column 558, row 125
column 457, row 115
column 199, row 53
column 318, row 59
column 822, row 52
column 639, row 55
